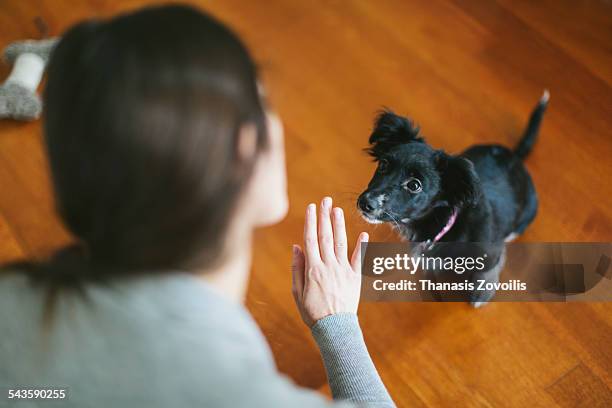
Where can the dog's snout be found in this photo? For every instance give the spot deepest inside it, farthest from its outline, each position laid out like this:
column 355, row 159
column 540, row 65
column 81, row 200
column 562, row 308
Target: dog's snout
column 367, row 202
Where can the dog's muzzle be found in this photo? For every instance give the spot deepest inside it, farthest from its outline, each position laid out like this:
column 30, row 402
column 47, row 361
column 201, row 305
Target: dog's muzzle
column 371, row 207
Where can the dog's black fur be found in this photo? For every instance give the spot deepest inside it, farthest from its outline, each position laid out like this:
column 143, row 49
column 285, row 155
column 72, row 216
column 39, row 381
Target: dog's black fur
column 488, row 185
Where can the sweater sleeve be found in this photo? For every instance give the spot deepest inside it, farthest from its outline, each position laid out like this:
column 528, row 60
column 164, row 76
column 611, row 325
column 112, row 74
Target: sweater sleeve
column 350, row 370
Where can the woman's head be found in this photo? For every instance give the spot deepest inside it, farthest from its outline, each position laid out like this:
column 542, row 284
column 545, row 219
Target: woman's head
column 159, row 140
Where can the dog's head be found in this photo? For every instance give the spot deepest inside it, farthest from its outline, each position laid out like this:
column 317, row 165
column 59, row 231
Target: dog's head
column 412, row 178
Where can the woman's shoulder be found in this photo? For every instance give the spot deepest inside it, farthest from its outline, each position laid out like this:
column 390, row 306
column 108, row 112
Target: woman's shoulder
column 169, row 330
column 176, row 313
column 17, row 292
column 175, row 299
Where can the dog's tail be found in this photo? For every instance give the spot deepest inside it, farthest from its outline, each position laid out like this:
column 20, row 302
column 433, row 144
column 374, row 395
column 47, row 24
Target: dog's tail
column 531, row 133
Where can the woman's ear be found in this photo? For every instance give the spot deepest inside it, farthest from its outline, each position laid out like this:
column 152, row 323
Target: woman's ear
column 265, row 198
column 247, row 142
column 459, row 181
column 390, row 130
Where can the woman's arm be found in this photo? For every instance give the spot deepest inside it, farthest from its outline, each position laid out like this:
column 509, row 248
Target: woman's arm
column 350, row 370
column 326, row 288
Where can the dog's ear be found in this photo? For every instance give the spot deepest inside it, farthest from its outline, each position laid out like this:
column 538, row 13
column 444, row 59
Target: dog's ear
column 390, row 130
column 460, row 185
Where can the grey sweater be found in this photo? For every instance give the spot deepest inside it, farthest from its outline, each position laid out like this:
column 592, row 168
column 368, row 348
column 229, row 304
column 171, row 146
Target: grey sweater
column 167, row 341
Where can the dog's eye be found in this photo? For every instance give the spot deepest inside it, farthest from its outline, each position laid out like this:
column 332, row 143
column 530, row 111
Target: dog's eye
column 383, row 165
column 413, row 185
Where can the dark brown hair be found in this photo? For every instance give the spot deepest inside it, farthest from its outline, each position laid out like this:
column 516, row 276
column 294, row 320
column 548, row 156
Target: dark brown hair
column 142, row 116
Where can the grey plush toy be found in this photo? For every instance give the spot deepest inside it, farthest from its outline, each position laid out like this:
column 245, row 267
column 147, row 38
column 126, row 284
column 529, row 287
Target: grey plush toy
column 18, row 97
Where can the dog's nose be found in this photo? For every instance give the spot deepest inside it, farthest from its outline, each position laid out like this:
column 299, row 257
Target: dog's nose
column 367, row 203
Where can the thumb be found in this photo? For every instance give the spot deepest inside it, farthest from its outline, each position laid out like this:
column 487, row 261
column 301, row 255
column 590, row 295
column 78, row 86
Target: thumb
column 356, row 257
column 298, row 264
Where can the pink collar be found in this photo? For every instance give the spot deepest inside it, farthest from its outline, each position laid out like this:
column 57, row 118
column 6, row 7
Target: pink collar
column 448, row 226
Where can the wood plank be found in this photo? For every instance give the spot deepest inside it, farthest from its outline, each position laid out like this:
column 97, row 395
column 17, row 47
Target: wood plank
column 580, row 388
column 10, row 250
column 26, row 201
column 467, row 72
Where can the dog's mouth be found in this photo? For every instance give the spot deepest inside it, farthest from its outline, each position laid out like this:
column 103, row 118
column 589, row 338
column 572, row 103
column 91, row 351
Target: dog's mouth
column 371, row 218
column 380, row 217
column 373, row 209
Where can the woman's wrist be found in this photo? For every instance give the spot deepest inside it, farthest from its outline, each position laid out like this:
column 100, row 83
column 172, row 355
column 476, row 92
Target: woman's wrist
column 332, row 320
column 334, row 332
column 350, row 371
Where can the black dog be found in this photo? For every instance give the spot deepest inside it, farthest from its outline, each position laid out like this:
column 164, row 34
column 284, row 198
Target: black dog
column 484, row 194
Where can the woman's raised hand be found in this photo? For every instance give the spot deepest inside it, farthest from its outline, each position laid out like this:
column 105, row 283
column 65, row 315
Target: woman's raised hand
column 325, row 281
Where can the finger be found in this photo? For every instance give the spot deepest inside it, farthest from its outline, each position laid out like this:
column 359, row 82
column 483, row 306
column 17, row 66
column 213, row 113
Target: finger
column 326, row 235
column 298, row 264
column 356, row 258
column 311, row 242
column 340, row 235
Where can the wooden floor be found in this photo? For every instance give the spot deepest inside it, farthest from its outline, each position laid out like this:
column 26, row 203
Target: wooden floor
column 467, row 71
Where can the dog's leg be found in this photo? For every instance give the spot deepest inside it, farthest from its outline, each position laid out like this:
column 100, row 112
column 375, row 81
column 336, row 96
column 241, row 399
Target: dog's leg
column 511, row 237
column 480, row 298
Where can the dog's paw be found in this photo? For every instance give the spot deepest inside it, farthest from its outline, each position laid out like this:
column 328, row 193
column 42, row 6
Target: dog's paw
column 511, row 237
column 481, row 298
column 478, row 304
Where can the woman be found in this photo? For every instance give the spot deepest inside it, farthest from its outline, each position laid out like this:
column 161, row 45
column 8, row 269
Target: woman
column 164, row 159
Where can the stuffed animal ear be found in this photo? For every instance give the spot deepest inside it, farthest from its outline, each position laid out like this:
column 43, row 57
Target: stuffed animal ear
column 390, row 130
column 460, row 183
